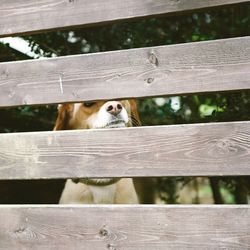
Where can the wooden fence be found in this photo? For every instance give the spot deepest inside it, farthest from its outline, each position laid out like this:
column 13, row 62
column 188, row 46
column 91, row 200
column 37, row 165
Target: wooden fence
column 182, row 150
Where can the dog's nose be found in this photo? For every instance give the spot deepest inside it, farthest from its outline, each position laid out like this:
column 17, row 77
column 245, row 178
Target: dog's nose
column 114, row 107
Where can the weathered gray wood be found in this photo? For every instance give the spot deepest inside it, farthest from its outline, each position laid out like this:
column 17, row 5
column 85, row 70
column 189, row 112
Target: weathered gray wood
column 220, row 65
column 22, row 17
column 125, row 227
column 178, row 150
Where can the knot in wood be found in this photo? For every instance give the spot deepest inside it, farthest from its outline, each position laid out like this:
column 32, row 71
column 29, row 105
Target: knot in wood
column 153, row 59
column 150, row 80
column 20, row 230
column 103, row 232
column 111, row 247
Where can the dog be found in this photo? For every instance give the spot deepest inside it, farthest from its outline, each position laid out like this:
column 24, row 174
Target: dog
column 98, row 115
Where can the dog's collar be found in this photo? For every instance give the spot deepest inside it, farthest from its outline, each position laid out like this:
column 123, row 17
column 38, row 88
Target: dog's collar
column 93, row 182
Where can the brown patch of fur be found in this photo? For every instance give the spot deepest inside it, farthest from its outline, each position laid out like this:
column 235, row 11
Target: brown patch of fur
column 63, row 117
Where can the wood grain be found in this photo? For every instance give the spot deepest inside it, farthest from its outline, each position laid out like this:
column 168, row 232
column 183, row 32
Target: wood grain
column 125, row 227
column 177, row 150
column 222, row 65
column 25, row 17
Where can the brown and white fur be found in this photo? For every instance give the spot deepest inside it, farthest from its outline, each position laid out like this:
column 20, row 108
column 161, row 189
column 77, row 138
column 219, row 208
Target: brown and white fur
column 98, row 115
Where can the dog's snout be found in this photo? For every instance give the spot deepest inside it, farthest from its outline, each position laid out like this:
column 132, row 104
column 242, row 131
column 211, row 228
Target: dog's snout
column 114, row 107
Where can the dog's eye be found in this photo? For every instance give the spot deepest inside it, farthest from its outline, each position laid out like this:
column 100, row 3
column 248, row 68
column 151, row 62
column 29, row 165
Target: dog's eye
column 88, row 104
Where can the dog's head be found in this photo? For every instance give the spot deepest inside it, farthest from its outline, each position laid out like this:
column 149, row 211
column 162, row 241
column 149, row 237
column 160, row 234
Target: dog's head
column 100, row 114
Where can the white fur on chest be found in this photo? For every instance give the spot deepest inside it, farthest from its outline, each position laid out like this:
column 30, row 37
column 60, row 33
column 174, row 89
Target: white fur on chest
column 103, row 194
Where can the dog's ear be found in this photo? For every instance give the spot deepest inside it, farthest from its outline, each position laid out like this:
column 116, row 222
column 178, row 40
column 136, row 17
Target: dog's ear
column 64, row 115
column 134, row 113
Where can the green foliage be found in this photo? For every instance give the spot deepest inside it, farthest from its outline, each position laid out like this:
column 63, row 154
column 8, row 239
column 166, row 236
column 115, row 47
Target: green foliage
column 220, row 23
column 24, row 119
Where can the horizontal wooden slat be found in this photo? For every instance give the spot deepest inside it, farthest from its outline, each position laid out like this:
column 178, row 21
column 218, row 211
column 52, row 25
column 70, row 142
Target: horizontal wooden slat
column 22, row 17
column 125, row 227
column 220, row 65
column 177, row 150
